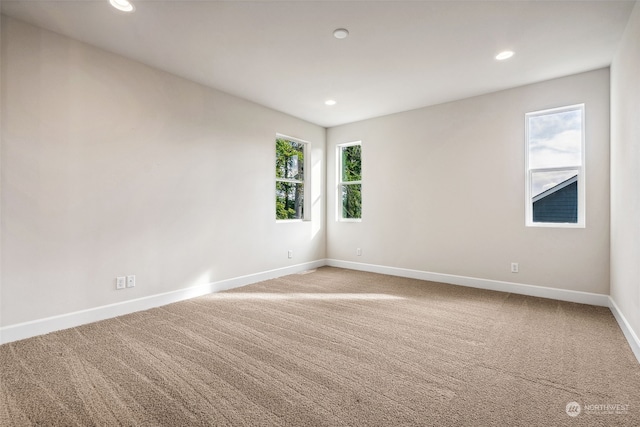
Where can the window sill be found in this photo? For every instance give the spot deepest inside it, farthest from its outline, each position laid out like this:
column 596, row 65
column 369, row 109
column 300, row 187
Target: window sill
column 555, row 225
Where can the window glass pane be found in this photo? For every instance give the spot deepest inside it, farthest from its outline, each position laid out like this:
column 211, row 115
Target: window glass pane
column 289, row 200
column 555, row 139
column 555, row 196
column 351, row 163
column 289, row 159
column 544, row 181
column 351, row 201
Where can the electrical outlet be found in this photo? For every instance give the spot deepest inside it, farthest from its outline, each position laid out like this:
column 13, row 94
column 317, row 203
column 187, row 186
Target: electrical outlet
column 359, row 252
column 131, row 281
column 290, row 253
column 121, row 282
column 515, row 267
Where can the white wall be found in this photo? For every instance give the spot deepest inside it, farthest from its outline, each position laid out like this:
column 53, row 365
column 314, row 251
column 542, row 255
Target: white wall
column 1, row 115
column 625, row 174
column 110, row 167
column 443, row 190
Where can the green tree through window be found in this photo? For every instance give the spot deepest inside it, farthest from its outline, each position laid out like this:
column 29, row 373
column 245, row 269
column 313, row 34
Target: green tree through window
column 351, row 181
column 289, row 179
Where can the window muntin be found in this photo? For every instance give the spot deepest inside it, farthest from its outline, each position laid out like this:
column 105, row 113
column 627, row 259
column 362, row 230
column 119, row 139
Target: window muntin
column 290, row 178
column 350, row 181
column 555, row 167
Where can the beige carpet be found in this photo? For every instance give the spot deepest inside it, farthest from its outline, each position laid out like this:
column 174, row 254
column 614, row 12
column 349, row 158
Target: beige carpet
column 332, row 347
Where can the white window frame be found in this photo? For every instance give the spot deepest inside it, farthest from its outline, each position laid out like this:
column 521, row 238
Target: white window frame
column 306, row 181
column 340, row 182
column 579, row 168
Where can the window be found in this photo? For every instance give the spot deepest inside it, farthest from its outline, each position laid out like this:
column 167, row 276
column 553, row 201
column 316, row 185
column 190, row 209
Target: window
column 350, row 181
column 555, row 167
column 290, row 178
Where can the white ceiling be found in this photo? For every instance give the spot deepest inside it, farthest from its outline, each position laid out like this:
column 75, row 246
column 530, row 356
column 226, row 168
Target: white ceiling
column 400, row 55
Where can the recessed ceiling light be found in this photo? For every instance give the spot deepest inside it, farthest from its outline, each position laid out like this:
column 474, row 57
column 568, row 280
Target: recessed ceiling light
column 340, row 33
column 330, row 102
column 504, row 55
column 123, row 5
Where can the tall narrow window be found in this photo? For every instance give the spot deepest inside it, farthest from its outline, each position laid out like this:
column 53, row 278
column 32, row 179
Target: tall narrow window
column 555, row 167
column 350, row 181
column 290, row 178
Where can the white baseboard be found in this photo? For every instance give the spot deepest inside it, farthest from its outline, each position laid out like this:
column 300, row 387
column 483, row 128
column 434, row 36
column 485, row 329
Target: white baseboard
column 51, row 324
column 472, row 282
column 630, row 335
column 56, row 323
column 516, row 288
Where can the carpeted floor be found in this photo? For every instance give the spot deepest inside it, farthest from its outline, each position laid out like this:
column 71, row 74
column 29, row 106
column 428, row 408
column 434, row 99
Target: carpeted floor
column 332, row 347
